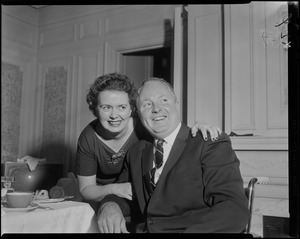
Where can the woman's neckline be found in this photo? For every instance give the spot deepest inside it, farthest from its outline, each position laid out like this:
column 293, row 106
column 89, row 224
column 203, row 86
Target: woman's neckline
column 115, row 144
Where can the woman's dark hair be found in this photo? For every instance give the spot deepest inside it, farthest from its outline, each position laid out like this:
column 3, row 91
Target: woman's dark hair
column 112, row 81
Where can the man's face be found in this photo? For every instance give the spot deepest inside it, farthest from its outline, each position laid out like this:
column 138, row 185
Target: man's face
column 158, row 110
column 114, row 110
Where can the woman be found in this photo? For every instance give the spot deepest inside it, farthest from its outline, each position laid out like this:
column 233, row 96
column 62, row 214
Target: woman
column 103, row 143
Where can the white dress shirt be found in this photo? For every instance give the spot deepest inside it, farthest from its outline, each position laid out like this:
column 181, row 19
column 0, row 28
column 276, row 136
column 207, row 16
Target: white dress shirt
column 169, row 141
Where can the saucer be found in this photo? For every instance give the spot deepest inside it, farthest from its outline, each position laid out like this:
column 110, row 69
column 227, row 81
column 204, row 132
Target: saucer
column 52, row 200
column 30, row 207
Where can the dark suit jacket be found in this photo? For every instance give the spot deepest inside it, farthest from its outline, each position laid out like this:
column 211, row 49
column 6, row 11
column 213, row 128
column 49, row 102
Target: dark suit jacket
column 200, row 188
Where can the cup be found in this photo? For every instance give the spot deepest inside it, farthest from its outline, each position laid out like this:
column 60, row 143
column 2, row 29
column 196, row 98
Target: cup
column 19, row 199
column 7, row 185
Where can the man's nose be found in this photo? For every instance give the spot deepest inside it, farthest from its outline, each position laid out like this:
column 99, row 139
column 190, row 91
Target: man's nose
column 156, row 108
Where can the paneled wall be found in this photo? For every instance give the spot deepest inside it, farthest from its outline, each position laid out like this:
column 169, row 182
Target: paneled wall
column 237, row 78
column 11, row 94
column 204, row 83
column 256, row 81
column 256, row 69
column 18, row 82
column 69, row 46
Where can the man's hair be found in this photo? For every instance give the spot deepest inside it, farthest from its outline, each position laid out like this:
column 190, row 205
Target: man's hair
column 161, row 80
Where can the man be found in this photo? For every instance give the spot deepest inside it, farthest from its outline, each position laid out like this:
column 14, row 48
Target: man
column 199, row 187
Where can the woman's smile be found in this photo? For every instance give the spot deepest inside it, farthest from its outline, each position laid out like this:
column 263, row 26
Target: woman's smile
column 114, row 123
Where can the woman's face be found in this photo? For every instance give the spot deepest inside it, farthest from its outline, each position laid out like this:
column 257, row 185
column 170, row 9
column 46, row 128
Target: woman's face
column 114, row 110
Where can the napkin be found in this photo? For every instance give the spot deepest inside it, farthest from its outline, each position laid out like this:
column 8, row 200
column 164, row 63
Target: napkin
column 2, row 213
column 31, row 161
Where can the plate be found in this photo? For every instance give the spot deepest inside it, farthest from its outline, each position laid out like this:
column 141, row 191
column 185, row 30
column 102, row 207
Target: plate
column 52, row 200
column 31, row 207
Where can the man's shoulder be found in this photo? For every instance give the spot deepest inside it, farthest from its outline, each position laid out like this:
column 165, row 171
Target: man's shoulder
column 222, row 139
column 140, row 145
column 223, row 136
column 223, row 142
column 136, row 150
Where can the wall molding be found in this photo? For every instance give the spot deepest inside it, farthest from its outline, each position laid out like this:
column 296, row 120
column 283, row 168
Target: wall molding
column 23, row 13
column 259, row 143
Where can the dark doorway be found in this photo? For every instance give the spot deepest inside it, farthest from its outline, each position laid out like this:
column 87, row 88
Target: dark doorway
column 148, row 63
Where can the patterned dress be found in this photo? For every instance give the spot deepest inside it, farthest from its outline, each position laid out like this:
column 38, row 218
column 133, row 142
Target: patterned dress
column 93, row 156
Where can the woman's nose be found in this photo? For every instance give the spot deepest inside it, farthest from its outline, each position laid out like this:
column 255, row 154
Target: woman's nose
column 113, row 113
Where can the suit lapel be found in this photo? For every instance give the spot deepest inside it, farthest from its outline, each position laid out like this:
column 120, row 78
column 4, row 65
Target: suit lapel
column 147, row 158
column 147, row 164
column 177, row 149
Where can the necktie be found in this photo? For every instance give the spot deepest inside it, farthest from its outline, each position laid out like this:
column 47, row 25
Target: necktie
column 159, row 153
column 158, row 160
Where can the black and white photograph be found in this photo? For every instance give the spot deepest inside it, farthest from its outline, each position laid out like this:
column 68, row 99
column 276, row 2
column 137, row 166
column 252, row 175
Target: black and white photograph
column 150, row 118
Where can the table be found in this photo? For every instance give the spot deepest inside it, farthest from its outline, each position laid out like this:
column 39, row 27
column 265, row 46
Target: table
column 67, row 217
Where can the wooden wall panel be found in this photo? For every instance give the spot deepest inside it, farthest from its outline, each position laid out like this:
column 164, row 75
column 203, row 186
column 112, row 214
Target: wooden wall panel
column 57, row 35
column 147, row 15
column 255, row 70
column 277, row 69
column 255, row 102
column 54, row 112
column 22, row 33
column 241, row 80
column 90, row 28
column 18, row 105
column 54, row 75
column 271, row 199
column 88, row 66
column 11, row 95
column 271, row 164
column 204, row 86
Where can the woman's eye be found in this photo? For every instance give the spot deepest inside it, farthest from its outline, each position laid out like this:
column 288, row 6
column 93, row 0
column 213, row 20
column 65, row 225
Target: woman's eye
column 105, row 107
column 123, row 107
column 148, row 104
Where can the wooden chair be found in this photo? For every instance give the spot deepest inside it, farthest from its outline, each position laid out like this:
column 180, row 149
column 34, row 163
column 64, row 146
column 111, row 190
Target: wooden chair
column 250, row 191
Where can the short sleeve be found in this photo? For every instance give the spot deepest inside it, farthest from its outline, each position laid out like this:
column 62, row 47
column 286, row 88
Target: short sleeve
column 85, row 156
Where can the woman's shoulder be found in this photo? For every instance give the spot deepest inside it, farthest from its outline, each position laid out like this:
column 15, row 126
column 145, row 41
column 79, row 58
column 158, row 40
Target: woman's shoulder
column 89, row 130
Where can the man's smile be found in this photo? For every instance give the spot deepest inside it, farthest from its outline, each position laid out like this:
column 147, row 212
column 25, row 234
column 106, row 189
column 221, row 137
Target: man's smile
column 159, row 118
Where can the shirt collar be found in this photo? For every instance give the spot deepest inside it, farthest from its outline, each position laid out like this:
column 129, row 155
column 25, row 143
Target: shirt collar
column 171, row 138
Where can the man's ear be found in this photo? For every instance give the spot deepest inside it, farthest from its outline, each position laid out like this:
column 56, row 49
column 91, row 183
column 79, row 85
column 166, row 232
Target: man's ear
column 177, row 103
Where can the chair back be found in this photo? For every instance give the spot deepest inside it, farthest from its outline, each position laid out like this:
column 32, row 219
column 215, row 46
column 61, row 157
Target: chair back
column 249, row 191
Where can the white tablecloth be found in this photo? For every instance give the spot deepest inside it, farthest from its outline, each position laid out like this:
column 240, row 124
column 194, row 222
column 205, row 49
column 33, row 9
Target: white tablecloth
column 67, row 217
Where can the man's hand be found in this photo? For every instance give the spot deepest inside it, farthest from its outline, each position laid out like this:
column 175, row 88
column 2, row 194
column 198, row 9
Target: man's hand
column 110, row 219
